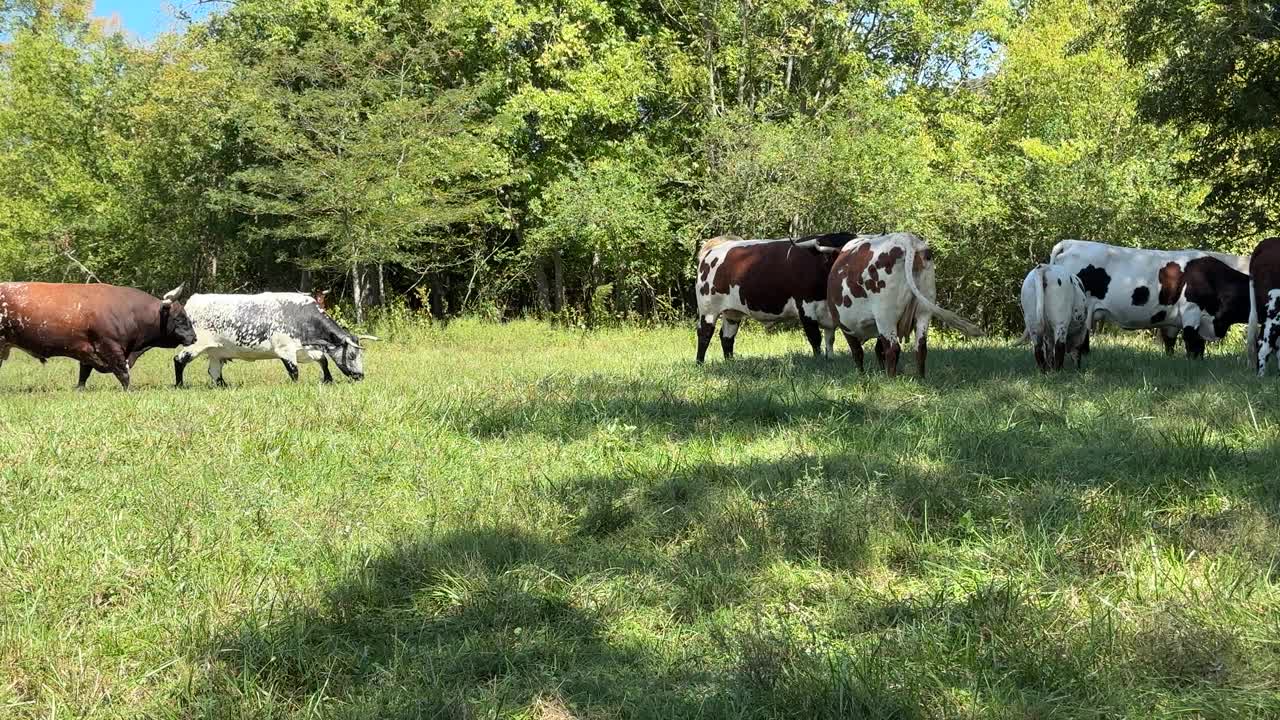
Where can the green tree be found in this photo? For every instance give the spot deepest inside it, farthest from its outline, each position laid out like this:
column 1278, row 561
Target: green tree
column 1215, row 77
column 359, row 162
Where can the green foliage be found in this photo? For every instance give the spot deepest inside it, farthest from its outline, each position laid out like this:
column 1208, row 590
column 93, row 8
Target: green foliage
column 1213, row 69
column 360, row 161
column 610, row 220
column 515, row 156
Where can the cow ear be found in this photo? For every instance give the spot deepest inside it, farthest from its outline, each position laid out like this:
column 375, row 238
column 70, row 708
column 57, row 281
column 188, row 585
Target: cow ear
column 172, row 295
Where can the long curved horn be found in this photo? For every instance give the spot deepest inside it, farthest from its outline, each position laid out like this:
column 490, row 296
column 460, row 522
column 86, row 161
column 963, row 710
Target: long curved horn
column 812, row 244
column 367, row 337
column 173, row 294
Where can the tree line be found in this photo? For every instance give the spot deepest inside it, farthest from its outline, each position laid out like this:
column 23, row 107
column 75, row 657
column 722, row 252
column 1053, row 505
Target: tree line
column 566, row 157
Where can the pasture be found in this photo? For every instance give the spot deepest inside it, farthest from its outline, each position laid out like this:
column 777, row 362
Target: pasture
column 526, row 522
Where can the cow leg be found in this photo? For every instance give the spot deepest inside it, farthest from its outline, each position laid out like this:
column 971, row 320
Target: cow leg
column 706, row 328
column 324, row 368
column 728, row 331
column 881, row 344
column 1041, row 362
column 1084, row 346
column 85, row 371
column 922, row 343
column 1267, row 338
column 891, row 352
column 215, row 371
column 1170, row 337
column 1195, row 344
column 829, row 340
column 855, row 347
column 291, row 368
column 1059, row 353
column 812, row 333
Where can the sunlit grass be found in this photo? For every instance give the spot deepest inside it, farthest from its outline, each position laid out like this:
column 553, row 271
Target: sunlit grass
column 517, row 521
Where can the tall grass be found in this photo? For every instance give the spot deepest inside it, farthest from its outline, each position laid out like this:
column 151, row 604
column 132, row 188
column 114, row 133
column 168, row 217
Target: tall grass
column 517, row 521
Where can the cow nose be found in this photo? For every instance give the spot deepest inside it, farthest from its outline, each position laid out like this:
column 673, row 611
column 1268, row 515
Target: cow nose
column 357, row 376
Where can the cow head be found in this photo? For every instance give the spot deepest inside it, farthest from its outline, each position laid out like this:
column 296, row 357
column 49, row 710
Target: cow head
column 174, row 323
column 348, row 355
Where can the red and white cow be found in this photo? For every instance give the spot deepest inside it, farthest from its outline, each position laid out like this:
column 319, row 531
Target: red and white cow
column 1198, row 293
column 881, row 286
column 1056, row 314
column 767, row 280
column 1263, row 339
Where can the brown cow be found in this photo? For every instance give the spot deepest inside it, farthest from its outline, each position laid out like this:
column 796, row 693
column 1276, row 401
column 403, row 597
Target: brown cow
column 767, row 280
column 106, row 328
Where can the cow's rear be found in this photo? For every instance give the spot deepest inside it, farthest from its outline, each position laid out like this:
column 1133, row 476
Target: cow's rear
column 1056, row 315
column 882, row 287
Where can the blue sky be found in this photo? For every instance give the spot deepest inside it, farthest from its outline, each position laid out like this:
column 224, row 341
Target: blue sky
column 147, row 18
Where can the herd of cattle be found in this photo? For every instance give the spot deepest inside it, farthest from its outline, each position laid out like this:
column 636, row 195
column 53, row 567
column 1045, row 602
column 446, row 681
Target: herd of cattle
column 107, row 328
column 867, row 286
column 882, row 286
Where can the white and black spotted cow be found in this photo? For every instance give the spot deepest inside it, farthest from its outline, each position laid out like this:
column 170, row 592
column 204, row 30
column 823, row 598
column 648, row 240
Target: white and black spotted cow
column 1198, row 293
column 1263, row 338
column 766, row 280
column 289, row 327
column 883, row 287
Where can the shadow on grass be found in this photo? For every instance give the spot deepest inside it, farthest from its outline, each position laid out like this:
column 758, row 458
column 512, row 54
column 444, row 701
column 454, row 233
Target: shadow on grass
column 499, row 623
column 658, row 595
column 654, row 589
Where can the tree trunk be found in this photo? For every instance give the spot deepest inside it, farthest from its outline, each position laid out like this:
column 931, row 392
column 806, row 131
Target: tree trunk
column 304, row 281
column 357, row 293
column 557, row 264
column 708, row 32
column 437, row 297
column 542, row 290
column 382, row 286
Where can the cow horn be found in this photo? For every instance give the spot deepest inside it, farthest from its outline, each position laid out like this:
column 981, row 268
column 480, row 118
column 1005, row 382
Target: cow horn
column 173, row 294
column 367, row 337
column 812, row 244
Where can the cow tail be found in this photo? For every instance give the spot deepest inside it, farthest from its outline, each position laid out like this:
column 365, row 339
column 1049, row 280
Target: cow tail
column 934, row 309
column 1251, row 335
column 1040, row 318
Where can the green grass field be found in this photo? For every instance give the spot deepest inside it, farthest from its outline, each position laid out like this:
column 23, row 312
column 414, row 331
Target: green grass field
column 517, row 521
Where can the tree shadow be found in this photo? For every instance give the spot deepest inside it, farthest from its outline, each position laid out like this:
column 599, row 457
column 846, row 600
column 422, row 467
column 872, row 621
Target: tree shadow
column 502, row 621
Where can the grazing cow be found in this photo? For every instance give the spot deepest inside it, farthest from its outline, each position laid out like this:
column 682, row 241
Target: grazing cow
column 1198, row 293
column 767, row 280
column 1056, row 314
column 106, row 328
column 881, row 286
column 287, row 326
column 1263, row 338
